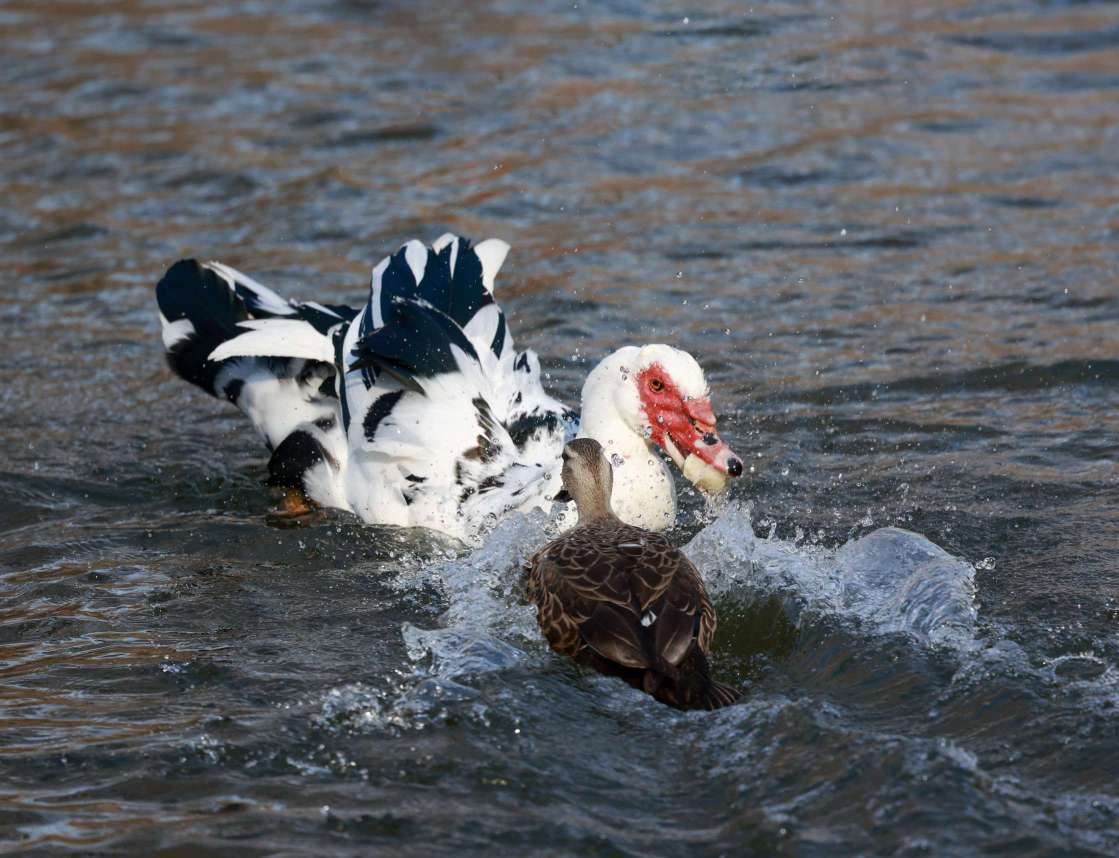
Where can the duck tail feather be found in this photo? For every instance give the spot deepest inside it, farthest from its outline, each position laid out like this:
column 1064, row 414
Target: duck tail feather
column 416, row 341
column 453, row 276
column 205, row 307
column 293, row 338
column 198, row 311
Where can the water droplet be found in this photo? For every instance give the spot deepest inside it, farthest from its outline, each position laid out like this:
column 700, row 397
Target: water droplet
column 616, row 460
column 648, row 618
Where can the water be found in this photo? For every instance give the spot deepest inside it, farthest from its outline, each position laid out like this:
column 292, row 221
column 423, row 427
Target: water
column 888, row 231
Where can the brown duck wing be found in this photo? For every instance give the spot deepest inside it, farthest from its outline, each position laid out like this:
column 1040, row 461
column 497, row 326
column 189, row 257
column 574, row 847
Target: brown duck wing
column 612, row 632
column 558, row 623
column 678, row 610
column 581, row 587
column 675, row 629
column 615, row 562
column 673, row 597
column 628, row 594
column 691, row 589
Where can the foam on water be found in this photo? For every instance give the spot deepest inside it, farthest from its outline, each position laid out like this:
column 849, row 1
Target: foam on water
column 1081, row 680
column 484, row 628
column 397, row 707
column 887, row 582
column 890, row 580
column 482, row 595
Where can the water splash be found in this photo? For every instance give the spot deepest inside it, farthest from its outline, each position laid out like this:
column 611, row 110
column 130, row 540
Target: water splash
column 359, row 707
column 890, row 580
column 483, row 603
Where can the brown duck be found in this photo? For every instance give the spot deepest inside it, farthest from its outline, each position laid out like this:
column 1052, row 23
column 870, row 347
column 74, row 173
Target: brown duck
column 624, row 600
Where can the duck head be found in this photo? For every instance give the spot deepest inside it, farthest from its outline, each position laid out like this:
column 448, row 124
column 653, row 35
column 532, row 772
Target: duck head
column 661, row 394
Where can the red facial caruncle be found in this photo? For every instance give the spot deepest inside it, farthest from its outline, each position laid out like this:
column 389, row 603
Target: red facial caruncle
column 682, row 425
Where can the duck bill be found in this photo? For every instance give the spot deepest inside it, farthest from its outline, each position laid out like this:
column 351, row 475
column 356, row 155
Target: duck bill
column 708, row 447
column 693, row 444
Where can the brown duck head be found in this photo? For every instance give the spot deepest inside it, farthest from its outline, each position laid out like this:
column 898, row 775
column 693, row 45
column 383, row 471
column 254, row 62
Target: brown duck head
column 587, row 478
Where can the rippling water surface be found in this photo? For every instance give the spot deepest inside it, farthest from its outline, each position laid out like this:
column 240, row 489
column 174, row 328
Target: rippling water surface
column 890, row 231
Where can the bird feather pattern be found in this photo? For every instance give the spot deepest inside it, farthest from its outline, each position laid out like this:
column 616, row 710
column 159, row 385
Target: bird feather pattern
column 626, row 602
column 414, row 409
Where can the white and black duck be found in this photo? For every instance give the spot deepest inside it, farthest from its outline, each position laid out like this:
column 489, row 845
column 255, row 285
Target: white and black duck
column 417, row 410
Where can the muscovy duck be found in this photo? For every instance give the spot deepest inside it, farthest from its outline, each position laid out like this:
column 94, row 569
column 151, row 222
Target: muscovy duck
column 417, row 410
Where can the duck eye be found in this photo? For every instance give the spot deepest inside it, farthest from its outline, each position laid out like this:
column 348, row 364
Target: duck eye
column 656, row 385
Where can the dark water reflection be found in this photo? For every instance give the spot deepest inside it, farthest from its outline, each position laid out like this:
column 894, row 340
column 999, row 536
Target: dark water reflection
column 888, row 230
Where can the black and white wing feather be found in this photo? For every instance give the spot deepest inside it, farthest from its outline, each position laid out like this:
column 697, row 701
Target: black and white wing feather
column 442, row 425
column 415, row 410
column 287, row 390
